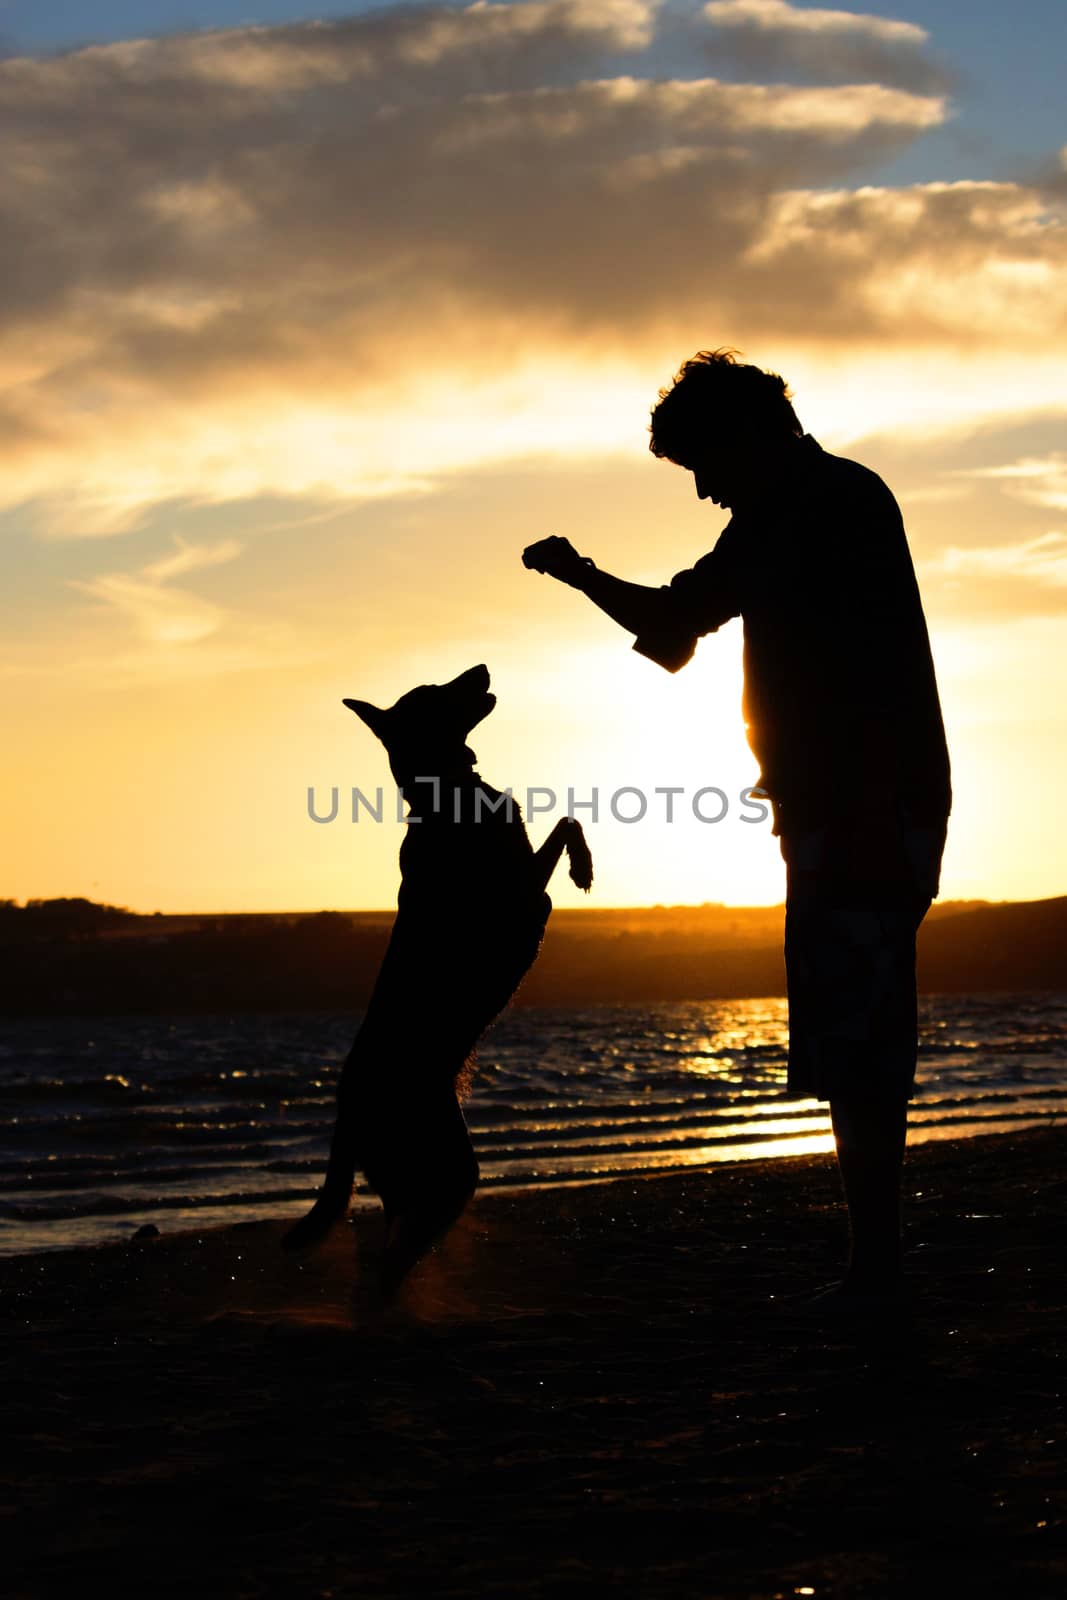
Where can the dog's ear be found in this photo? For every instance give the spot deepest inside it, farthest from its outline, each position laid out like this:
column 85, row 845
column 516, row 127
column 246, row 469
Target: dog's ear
column 373, row 716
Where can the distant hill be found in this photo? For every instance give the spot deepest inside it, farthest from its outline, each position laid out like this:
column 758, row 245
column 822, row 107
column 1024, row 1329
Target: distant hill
column 73, row 956
column 1007, row 946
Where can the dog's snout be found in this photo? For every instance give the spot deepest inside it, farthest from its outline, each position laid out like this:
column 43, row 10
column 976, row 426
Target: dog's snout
column 474, row 681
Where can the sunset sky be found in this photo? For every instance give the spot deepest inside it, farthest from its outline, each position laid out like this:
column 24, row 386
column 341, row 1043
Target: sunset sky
column 313, row 319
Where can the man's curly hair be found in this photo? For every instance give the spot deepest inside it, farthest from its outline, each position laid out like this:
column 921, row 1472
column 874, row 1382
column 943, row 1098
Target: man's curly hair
column 716, row 393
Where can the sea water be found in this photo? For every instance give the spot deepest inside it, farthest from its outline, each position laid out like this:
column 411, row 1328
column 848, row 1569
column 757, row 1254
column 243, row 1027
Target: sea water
column 109, row 1123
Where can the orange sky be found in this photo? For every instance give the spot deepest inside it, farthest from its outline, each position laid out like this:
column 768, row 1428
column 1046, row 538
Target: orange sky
column 320, row 328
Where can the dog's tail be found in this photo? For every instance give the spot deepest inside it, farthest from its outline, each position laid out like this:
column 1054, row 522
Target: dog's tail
column 578, row 856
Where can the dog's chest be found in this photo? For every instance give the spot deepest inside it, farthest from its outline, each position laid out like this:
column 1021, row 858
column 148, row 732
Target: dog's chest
column 491, row 854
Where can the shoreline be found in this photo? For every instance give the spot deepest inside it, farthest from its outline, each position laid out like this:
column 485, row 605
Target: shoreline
column 618, row 1384
column 736, row 1151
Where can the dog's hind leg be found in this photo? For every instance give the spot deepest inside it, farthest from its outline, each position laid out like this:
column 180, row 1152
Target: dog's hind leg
column 443, row 1178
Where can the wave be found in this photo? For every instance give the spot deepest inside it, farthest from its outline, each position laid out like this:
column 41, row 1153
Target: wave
column 108, row 1122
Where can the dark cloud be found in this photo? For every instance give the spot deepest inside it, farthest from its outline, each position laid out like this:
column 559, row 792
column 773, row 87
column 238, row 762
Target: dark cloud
column 302, row 174
column 269, row 219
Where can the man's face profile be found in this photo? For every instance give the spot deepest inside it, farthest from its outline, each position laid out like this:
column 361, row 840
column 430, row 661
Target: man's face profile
column 721, row 465
column 707, row 470
column 730, row 465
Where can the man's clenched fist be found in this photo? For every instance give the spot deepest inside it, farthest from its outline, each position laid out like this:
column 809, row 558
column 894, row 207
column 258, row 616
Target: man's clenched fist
column 559, row 559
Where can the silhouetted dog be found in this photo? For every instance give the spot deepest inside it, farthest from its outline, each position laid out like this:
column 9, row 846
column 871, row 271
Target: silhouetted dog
column 470, row 917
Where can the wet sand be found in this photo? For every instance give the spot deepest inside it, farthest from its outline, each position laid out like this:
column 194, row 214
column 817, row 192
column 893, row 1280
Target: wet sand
column 610, row 1387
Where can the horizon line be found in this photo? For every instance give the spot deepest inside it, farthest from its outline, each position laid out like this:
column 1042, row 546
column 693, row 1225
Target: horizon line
column 580, row 910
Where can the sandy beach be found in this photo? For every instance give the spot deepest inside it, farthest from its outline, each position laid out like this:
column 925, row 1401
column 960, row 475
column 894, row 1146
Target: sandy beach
column 617, row 1386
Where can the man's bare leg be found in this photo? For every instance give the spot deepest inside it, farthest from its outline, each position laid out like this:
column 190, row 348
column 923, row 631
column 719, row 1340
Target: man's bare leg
column 870, row 1135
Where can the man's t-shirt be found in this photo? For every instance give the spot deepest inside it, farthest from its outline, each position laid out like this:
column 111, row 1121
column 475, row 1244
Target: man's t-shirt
column 840, row 699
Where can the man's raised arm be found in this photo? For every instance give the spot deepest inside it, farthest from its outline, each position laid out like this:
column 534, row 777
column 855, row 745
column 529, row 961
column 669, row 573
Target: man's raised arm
column 648, row 613
column 632, row 605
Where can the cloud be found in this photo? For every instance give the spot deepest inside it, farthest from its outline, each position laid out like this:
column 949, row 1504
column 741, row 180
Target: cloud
column 1041, row 481
column 161, row 615
column 769, row 36
column 1023, row 579
column 778, row 17
column 968, row 263
column 189, row 557
column 1040, row 560
column 341, row 259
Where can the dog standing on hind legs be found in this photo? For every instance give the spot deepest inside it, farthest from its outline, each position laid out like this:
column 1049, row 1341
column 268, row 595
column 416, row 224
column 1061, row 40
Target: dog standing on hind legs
column 471, row 914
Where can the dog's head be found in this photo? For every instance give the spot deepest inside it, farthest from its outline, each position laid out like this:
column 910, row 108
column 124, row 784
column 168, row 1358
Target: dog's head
column 425, row 731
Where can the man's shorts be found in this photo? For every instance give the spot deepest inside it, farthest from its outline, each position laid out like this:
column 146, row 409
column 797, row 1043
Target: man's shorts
column 850, row 968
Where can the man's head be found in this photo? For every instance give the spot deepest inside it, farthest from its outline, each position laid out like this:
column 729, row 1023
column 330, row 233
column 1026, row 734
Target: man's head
column 726, row 423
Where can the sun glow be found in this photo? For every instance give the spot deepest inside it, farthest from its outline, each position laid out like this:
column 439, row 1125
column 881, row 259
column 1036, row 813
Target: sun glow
column 605, row 721
column 281, row 430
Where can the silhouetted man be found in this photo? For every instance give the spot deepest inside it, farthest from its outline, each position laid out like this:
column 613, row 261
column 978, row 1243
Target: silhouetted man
column 842, row 712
